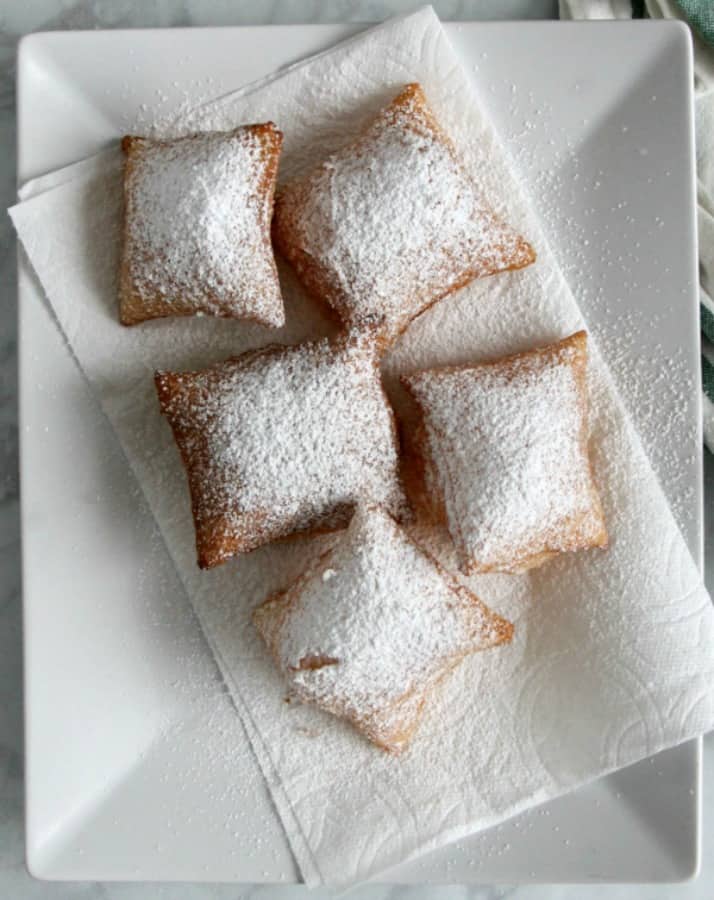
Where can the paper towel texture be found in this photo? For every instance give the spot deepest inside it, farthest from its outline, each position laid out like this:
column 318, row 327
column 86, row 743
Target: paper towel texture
column 612, row 654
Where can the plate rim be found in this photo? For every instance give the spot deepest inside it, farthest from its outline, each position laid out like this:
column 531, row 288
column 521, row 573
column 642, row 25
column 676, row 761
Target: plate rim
column 27, row 47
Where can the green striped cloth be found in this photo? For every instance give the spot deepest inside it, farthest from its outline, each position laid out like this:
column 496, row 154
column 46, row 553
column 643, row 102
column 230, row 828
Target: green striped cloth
column 705, row 124
column 700, row 15
column 707, row 376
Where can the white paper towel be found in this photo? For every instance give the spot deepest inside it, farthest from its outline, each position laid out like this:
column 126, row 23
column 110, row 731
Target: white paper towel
column 613, row 656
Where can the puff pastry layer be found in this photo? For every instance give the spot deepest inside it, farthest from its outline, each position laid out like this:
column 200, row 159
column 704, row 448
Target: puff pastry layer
column 282, row 440
column 369, row 631
column 503, row 452
column 392, row 222
column 196, row 237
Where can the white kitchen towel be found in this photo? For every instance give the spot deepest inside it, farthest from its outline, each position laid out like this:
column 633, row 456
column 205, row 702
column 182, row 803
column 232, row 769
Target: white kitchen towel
column 613, row 655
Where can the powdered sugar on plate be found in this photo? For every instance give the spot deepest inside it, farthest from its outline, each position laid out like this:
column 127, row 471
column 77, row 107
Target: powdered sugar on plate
column 602, row 640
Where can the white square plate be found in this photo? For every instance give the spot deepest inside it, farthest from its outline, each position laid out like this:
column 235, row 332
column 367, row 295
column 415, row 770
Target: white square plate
column 136, row 763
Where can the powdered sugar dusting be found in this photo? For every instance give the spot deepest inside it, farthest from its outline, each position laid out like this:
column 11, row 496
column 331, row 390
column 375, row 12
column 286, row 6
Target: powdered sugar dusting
column 291, row 435
column 591, row 627
column 506, row 445
column 381, row 630
column 198, row 211
column 393, row 220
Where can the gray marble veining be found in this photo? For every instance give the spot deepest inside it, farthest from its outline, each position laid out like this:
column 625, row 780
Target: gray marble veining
column 18, row 17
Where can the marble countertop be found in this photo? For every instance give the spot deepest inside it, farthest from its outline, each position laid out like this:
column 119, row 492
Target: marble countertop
column 18, row 18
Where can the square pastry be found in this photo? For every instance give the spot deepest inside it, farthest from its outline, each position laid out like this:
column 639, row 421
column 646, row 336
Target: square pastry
column 392, row 222
column 196, row 238
column 504, row 457
column 282, row 440
column 368, row 631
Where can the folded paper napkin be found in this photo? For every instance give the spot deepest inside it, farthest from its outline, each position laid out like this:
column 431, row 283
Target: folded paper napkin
column 612, row 656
